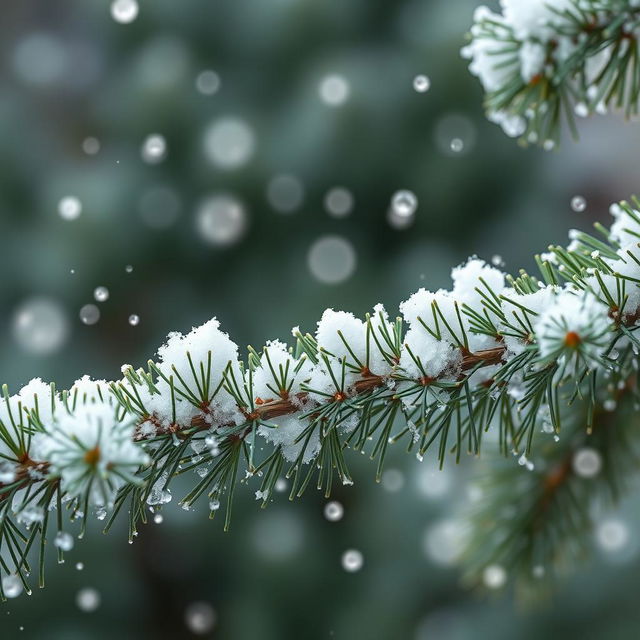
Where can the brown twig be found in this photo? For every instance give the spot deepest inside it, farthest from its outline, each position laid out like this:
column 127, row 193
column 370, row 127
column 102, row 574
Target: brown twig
column 286, row 406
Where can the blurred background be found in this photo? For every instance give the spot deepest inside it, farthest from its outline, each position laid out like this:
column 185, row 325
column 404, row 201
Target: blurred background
column 162, row 162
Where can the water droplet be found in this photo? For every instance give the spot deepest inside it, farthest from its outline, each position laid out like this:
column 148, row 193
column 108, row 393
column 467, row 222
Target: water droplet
column 221, row 220
column 42, row 58
column 158, row 518
column 538, row 571
column 91, row 146
column 285, row 193
column 88, row 599
column 581, row 110
column 338, row 202
column 578, row 203
column 89, row 314
column 134, row 320
column 612, row 535
column 200, row 617
column 352, row 560
column 494, row 576
column 443, row 542
column 12, row 586
column 40, row 326
column 129, row 268
column 124, row 11
column 69, row 208
column 404, row 203
column 587, row 463
column 334, row 90
column 79, row 566
column 455, row 135
column 229, row 143
column 333, row 511
column 154, row 149
column 208, row 82
column 432, row 483
column 281, row 485
column 101, row 294
column 393, row 480
column 421, row 83
column 332, row 259
column 63, row 540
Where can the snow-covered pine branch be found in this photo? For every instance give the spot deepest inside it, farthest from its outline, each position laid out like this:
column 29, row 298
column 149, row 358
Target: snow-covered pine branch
column 495, row 358
column 541, row 62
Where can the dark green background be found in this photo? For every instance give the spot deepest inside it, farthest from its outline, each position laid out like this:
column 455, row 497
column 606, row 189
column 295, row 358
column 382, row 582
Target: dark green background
column 120, row 83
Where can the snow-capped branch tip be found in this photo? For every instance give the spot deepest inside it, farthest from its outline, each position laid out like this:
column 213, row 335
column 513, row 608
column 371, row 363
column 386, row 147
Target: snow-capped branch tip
column 540, row 62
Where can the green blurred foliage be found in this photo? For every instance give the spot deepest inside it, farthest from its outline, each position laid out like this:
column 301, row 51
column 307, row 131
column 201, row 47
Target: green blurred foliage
column 69, row 71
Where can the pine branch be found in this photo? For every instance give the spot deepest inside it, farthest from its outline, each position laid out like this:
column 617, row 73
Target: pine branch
column 551, row 510
column 285, row 406
column 496, row 357
column 542, row 63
